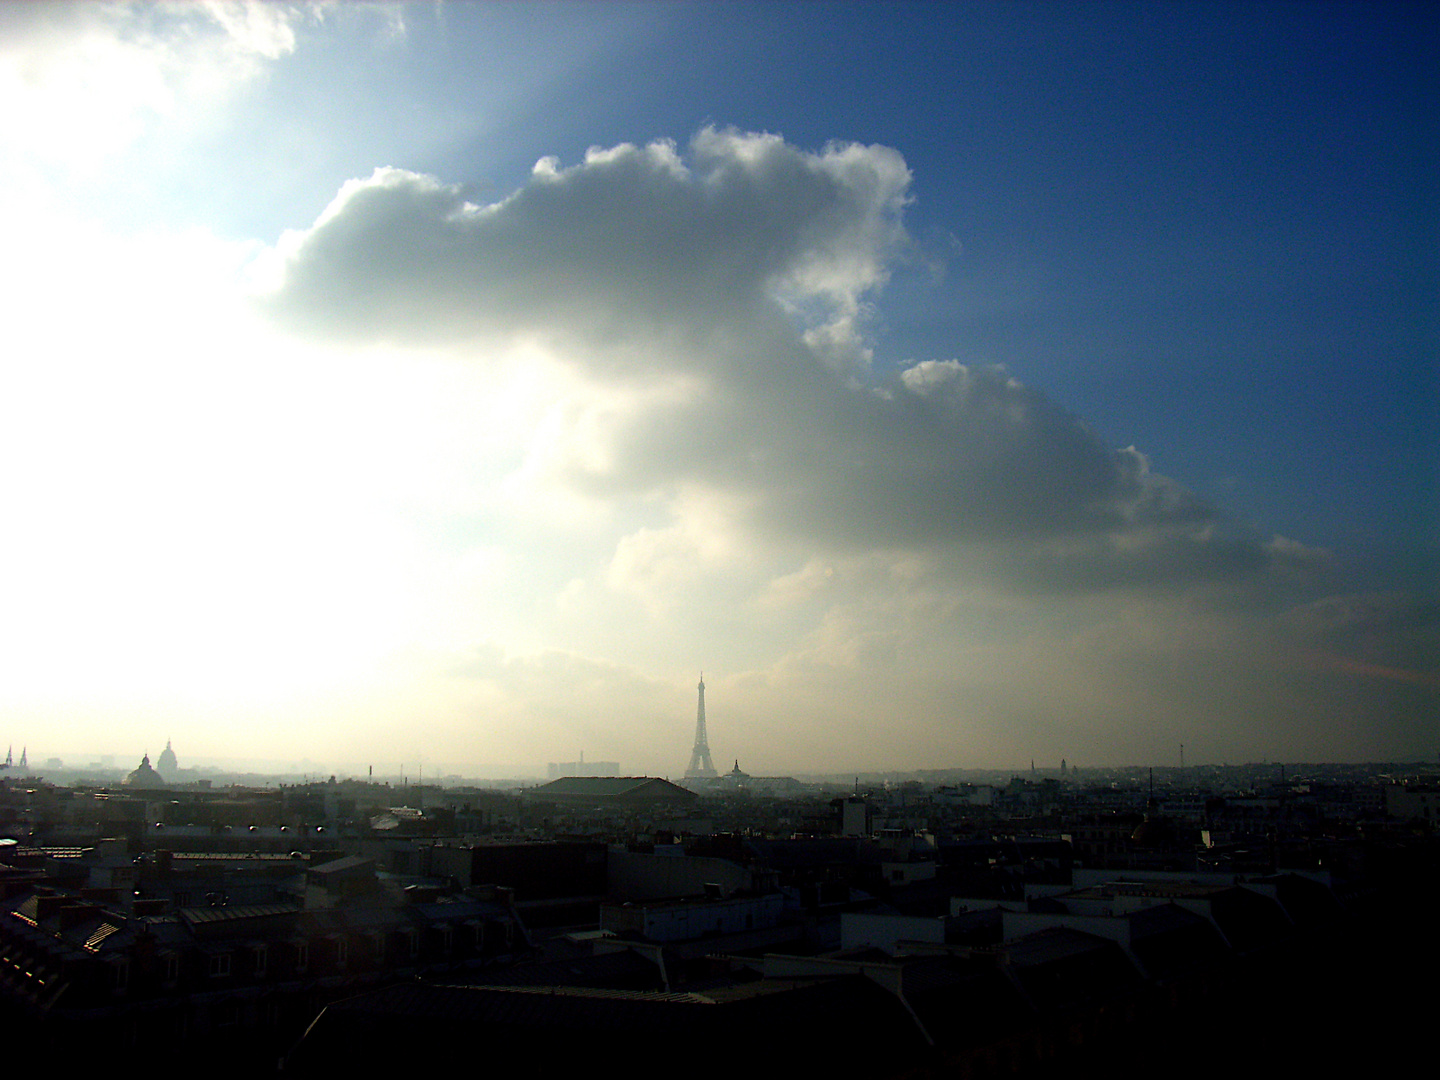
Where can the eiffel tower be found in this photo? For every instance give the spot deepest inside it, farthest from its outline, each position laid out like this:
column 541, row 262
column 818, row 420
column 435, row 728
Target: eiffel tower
column 701, row 767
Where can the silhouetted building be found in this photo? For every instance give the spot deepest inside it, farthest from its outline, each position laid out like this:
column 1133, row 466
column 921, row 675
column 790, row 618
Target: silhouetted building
column 539, row 870
column 165, row 764
column 555, row 770
column 777, row 1028
column 621, row 791
column 144, row 777
column 86, row 977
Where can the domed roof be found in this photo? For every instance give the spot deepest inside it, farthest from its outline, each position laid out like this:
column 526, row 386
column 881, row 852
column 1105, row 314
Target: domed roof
column 1155, row 829
column 144, row 776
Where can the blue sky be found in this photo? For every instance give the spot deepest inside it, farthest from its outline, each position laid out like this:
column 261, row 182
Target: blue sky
column 1030, row 372
column 1138, row 206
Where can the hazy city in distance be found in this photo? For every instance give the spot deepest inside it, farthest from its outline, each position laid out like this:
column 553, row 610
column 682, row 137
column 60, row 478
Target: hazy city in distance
column 439, row 389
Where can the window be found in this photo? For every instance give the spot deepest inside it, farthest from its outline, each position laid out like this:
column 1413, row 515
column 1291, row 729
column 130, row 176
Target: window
column 220, row 966
column 260, row 957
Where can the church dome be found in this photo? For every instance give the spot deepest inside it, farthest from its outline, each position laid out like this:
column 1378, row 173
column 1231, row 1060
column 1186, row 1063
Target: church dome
column 144, row 776
column 165, row 764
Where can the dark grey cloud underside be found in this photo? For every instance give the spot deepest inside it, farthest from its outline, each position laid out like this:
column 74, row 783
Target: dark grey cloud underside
column 636, row 265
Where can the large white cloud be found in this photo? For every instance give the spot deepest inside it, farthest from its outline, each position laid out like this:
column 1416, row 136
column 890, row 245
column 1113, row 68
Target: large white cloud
column 633, row 240
column 727, row 289
column 714, row 467
column 84, row 81
column 515, row 468
column 513, row 471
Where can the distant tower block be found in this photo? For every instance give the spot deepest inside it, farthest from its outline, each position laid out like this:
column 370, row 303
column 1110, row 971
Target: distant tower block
column 701, row 767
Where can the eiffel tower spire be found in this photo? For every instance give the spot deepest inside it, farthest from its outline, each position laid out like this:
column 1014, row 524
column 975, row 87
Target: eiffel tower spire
column 700, row 764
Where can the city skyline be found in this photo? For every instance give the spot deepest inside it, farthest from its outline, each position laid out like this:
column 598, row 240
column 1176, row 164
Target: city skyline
column 956, row 384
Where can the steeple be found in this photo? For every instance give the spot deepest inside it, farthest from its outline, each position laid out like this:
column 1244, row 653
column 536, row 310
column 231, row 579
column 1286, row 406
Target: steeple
column 701, row 767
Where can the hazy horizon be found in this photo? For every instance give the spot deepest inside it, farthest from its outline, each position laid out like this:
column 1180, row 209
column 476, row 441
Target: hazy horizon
column 394, row 773
column 951, row 384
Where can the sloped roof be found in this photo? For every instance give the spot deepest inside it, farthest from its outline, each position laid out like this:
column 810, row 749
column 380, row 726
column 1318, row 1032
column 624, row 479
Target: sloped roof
column 625, row 970
column 956, row 999
column 611, row 787
column 346, row 864
column 1060, row 968
column 194, row 916
column 1171, row 941
column 784, row 1026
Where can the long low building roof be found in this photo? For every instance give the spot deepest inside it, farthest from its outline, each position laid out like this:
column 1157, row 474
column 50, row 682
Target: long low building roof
column 616, row 788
